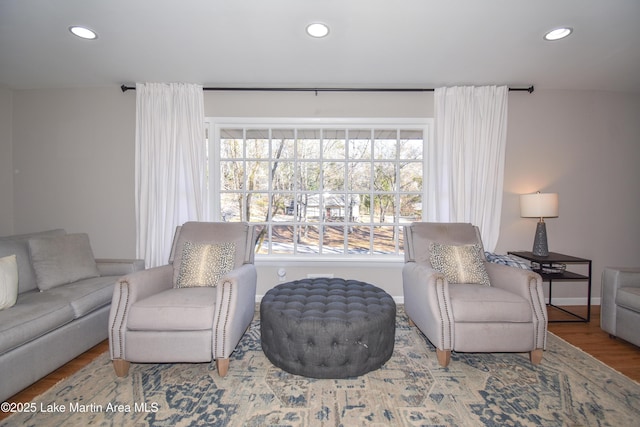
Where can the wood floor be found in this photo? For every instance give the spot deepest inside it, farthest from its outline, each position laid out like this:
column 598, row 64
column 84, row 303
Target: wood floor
column 620, row 355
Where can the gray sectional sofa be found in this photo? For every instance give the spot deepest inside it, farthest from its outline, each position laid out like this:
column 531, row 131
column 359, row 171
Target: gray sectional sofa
column 620, row 303
column 62, row 307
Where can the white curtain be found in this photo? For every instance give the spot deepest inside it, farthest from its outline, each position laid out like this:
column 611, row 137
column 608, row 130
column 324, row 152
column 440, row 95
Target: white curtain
column 170, row 165
column 466, row 160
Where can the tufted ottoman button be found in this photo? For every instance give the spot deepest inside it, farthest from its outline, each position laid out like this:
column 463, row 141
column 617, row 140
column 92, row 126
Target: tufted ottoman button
column 337, row 328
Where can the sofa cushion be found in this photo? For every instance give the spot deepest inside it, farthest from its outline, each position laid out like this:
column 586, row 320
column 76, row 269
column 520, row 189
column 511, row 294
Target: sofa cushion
column 8, row 281
column 17, row 245
column 176, row 309
column 204, row 264
column 86, row 295
column 459, row 264
column 629, row 297
column 61, row 260
column 473, row 303
column 35, row 314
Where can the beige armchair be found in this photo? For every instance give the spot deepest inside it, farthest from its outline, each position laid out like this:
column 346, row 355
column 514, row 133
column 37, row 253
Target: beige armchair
column 509, row 315
column 166, row 315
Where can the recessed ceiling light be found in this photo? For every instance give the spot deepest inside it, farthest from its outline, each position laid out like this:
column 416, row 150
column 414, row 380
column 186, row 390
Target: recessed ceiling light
column 317, row 30
column 83, row 32
column 558, row 33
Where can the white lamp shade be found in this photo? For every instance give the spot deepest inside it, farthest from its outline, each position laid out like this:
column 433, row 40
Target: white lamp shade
column 539, row 205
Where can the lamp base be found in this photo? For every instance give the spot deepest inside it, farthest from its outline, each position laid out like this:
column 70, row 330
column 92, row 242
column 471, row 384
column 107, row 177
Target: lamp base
column 540, row 247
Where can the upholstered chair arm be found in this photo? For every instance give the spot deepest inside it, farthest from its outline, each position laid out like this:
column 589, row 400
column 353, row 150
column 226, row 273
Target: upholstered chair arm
column 427, row 303
column 513, row 279
column 118, row 267
column 528, row 285
column 129, row 289
column 143, row 284
column 235, row 308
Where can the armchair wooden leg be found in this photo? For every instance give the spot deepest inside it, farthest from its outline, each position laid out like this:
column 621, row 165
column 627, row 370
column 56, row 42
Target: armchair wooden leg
column 444, row 357
column 536, row 356
column 411, row 322
column 223, row 366
column 121, row 367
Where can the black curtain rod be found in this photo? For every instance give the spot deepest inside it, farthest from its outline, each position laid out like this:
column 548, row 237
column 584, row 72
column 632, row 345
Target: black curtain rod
column 125, row 88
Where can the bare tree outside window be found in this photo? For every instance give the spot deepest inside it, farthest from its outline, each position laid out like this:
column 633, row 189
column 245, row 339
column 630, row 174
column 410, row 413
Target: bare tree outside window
column 322, row 189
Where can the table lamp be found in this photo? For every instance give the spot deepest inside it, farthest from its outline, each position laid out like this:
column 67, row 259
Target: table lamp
column 539, row 205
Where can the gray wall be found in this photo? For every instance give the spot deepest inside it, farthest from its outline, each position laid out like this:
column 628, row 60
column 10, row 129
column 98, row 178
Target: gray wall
column 73, row 161
column 73, row 167
column 6, row 156
column 586, row 147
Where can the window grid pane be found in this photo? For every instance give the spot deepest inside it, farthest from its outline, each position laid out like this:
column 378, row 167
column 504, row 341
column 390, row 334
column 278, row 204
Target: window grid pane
column 322, row 190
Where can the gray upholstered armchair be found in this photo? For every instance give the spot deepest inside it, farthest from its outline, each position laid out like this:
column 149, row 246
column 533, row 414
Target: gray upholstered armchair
column 620, row 303
column 195, row 309
column 447, row 297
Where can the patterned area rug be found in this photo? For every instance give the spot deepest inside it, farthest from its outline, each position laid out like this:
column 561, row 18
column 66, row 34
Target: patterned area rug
column 569, row 388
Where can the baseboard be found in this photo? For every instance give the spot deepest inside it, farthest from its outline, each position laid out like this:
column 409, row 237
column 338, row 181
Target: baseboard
column 574, row 301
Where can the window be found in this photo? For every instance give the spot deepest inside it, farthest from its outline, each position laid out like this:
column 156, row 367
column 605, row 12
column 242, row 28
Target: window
column 320, row 186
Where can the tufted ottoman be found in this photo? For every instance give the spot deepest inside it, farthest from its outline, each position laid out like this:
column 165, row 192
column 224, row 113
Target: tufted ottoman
column 327, row 328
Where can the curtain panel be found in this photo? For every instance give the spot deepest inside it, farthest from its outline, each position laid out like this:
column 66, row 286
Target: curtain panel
column 466, row 160
column 170, row 165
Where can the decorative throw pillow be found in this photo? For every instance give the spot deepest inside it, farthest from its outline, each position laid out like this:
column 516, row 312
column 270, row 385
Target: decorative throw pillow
column 8, row 281
column 203, row 264
column 59, row 260
column 459, row 264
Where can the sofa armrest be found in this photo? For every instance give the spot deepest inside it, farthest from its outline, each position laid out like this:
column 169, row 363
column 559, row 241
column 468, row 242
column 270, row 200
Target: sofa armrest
column 129, row 289
column 625, row 277
column 118, row 267
column 613, row 279
column 235, row 308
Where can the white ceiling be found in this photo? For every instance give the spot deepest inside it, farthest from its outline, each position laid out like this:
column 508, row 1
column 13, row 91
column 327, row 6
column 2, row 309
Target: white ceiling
column 372, row 43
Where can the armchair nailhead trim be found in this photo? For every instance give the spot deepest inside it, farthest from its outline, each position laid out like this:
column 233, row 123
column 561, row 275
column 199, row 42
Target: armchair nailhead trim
column 444, row 308
column 226, row 288
column 533, row 297
column 124, row 288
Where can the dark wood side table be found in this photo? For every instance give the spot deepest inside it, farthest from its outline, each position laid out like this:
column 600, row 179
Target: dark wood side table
column 545, row 267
